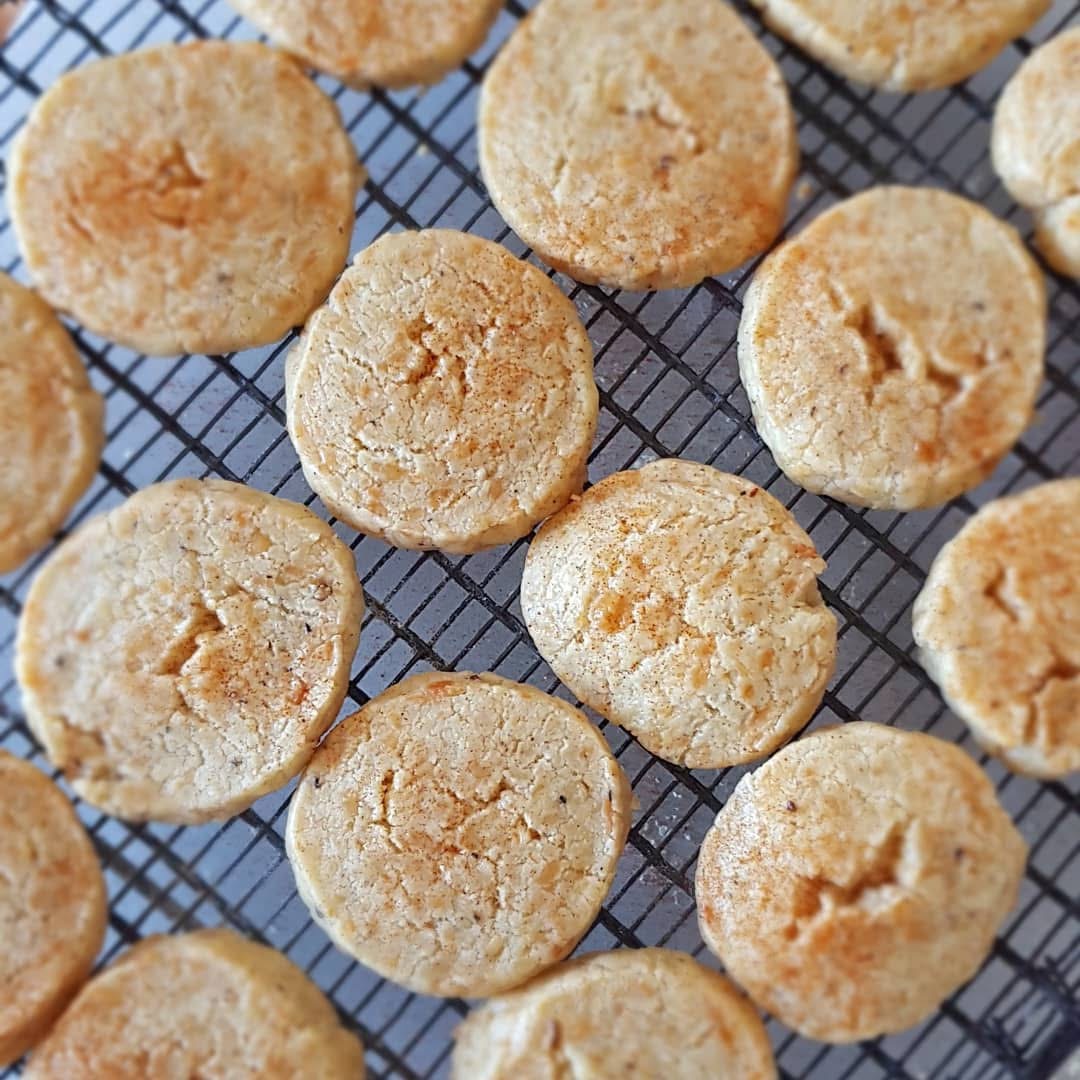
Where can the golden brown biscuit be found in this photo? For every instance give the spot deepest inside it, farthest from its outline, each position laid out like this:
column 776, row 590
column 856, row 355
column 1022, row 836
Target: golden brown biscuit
column 204, row 1004
column 1036, row 146
column 998, row 625
column 902, row 44
column 185, row 198
column 892, row 351
column 459, row 833
column 51, row 424
column 182, row 655
column 682, row 604
column 649, row 1013
column 857, row 878
column 443, row 397
column 52, row 905
column 366, row 43
column 645, row 144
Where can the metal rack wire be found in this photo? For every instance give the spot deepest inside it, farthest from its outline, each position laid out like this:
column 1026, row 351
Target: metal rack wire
column 666, row 367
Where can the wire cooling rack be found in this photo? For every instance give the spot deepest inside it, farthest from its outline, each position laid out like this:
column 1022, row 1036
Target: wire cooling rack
column 667, row 372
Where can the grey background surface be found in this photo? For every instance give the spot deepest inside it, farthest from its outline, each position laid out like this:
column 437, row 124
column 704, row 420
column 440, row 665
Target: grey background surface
column 667, row 371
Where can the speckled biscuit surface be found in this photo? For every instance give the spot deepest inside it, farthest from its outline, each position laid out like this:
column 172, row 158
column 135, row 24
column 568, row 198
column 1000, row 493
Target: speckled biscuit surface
column 602, row 145
column 182, row 654
column 635, row 1012
column 444, row 395
column 1036, row 146
column 892, row 351
column 185, row 198
column 459, row 833
column 998, row 624
column 52, row 905
column 376, row 42
column 902, row 44
column 51, row 424
column 858, row 878
column 682, row 604
column 206, row 1004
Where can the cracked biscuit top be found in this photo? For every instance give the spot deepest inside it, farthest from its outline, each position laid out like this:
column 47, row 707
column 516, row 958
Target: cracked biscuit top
column 633, row 1013
column 459, row 834
column 365, row 43
column 182, row 654
column 902, row 45
column 682, row 604
column 644, row 144
column 443, row 397
column 998, row 626
column 857, row 879
column 207, row 1005
column 1036, row 146
column 185, row 198
column 892, row 351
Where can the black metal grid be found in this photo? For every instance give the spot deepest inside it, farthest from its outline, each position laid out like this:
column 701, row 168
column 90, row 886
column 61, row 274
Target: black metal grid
column 665, row 364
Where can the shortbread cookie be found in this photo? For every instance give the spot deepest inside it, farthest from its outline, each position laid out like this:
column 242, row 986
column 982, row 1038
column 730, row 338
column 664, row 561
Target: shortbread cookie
column 182, row 654
column 998, row 623
column 185, row 198
column 902, row 44
column 682, row 604
column 645, row 144
column 376, row 42
column 51, row 424
column 443, row 397
column 650, row 1013
column 459, row 833
column 893, row 350
column 857, row 879
column 1036, row 146
column 52, row 905
column 204, row 1004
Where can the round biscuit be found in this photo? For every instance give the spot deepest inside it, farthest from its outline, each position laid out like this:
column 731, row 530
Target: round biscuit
column 53, row 906
column 856, row 879
column 643, row 145
column 443, row 397
column 51, row 424
column 998, row 627
column 634, row 1012
column 459, row 833
column 892, row 351
column 204, row 1004
column 185, row 198
column 902, row 45
column 1036, row 146
column 391, row 43
column 681, row 603
column 182, row 654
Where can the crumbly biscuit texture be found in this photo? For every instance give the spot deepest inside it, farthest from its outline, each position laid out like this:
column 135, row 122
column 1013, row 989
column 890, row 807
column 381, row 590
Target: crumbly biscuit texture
column 52, row 905
column 51, row 424
column 902, row 45
column 603, row 145
column 204, row 1004
column 892, row 351
column 639, row 1012
column 185, row 198
column 366, row 43
column 998, row 625
column 1036, row 146
column 682, row 604
column 857, row 879
column 182, row 654
column 444, row 395
column 459, row 833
